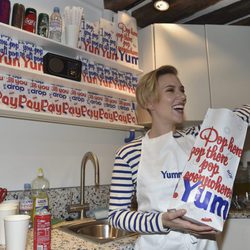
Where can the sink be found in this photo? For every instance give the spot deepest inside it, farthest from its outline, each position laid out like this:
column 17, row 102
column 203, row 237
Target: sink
column 98, row 231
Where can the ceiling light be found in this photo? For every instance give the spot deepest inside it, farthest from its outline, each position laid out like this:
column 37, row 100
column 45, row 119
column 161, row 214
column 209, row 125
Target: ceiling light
column 161, row 5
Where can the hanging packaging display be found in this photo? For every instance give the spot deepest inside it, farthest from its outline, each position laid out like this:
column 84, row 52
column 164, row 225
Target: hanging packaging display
column 205, row 188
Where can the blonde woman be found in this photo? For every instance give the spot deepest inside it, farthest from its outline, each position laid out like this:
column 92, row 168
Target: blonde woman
column 150, row 167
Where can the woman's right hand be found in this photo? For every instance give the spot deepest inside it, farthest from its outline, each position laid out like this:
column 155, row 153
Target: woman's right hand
column 174, row 220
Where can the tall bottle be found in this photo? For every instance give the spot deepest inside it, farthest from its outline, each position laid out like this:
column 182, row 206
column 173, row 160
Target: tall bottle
column 18, row 13
column 5, row 11
column 55, row 25
column 40, row 186
column 43, row 25
column 26, row 202
column 29, row 22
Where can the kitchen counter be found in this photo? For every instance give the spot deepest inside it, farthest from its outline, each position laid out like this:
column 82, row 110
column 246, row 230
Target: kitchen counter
column 64, row 241
column 239, row 214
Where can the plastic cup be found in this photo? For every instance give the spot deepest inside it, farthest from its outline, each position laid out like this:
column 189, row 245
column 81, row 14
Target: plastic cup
column 12, row 202
column 5, row 210
column 16, row 231
column 71, row 35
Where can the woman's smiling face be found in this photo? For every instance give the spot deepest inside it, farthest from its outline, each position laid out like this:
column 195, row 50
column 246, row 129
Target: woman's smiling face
column 172, row 99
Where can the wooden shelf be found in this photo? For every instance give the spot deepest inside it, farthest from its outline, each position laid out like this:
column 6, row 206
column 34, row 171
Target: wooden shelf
column 62, row 49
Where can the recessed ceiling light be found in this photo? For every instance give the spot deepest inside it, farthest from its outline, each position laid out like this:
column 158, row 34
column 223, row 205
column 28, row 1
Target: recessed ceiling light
column 161, row 5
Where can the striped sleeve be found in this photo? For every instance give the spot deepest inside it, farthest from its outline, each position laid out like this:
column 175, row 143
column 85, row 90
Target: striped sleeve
column 122, row 189
column 244, row 113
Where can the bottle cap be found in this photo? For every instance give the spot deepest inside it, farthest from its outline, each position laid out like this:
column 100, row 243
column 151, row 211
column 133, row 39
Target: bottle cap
column 56, row 9
column 27, row 186
column 30, row 10
column 39, row 172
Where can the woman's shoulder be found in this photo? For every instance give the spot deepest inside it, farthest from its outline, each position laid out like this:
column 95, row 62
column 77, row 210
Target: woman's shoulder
column 243, row 112
column 130, row 147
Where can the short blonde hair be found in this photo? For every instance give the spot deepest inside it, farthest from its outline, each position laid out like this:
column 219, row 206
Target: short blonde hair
column 147, row 88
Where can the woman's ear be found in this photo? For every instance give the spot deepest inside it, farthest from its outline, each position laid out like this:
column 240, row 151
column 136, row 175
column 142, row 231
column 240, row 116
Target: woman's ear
column 150, row 106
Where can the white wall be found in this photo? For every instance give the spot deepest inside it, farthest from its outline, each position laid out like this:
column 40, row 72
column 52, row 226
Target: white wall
column 92, row 8
column 58, row 149
column 235, row 235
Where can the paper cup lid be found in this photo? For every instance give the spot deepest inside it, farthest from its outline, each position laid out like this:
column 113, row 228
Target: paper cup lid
column 17, row 217
column 8, row 207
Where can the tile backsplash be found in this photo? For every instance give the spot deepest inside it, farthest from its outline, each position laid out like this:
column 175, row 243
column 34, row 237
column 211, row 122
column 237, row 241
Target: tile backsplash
column 60, row 199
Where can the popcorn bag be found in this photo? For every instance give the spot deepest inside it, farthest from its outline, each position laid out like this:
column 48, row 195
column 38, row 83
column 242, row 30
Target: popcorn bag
column 205, row 187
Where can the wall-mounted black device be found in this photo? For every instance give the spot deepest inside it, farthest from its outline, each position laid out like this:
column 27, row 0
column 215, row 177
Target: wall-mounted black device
column 62, row 66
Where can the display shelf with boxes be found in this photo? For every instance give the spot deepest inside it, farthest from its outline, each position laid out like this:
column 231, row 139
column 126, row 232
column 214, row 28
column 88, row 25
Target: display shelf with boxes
column 36, row 75
column 62, row 49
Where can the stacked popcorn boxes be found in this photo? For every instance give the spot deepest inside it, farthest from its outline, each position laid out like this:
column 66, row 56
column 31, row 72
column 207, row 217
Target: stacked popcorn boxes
column 98, row 38
column 36, row 96
column 108, row 77
column 20, row 54
column 116, row 40
column 127, row 39
column 107, row 39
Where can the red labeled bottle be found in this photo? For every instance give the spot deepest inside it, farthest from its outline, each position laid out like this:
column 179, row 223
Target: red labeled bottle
column 42, row 231
column 5, row 11
column 29, row 23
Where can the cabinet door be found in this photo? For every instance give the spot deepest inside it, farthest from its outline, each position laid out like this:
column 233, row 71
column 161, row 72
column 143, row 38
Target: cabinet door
column 229, row 70
column 183, row 46
column 146, row 63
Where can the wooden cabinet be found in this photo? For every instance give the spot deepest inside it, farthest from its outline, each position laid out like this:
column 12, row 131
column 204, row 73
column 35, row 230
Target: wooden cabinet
column 184, row 47
column 229, row 70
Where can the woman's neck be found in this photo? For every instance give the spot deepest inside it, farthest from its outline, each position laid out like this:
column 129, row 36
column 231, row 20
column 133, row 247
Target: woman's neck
column 159, row 130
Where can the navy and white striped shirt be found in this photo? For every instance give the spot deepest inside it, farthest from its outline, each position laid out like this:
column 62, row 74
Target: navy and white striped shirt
column 123, row 185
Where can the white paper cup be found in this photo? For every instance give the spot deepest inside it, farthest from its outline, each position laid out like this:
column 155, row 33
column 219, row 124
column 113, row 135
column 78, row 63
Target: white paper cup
column 71, row 35
column 5, row 210
column 16, row 230
column 12, row 202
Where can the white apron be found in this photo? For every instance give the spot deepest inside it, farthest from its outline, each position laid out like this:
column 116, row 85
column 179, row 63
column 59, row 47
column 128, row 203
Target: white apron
column 162, row 161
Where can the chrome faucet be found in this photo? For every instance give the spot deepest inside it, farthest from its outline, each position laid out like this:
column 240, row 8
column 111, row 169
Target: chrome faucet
column 82, row 207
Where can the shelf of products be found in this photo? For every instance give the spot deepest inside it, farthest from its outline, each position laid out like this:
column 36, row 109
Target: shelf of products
column 62, row 49
column 59, row 48
column 36, row 75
